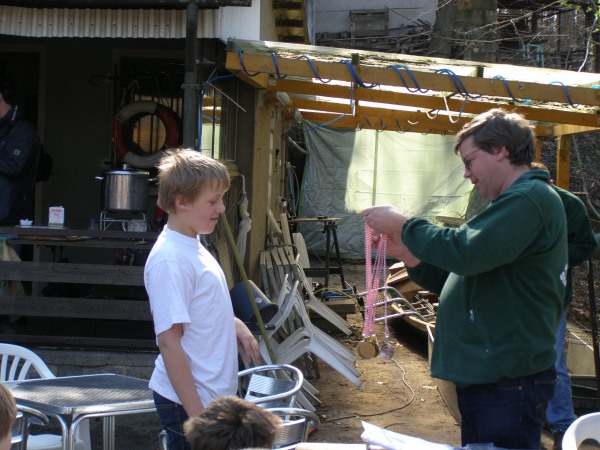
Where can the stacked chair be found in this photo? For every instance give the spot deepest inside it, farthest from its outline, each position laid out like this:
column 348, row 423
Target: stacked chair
column 292, row 335
column 296, row 427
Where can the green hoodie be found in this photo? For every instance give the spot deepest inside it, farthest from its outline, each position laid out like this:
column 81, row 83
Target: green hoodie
column 501, row 279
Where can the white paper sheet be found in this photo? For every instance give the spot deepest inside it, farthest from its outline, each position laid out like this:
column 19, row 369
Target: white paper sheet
column 396, row 441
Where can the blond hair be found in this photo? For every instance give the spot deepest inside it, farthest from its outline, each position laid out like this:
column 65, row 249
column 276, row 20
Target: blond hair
column 185, row 172
column 8, row 410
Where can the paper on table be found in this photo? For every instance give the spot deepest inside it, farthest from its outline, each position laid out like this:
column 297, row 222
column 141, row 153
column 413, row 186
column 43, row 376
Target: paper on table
column 396, row 441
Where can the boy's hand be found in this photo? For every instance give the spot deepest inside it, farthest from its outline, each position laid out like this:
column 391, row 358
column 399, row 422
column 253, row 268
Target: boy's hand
column 247, row 341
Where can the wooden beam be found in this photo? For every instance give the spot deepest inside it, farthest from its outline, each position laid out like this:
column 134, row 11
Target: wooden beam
column 434, row 102
column 380, row 124
column 439, row 122
column 258, row 81
column 563, row 161
column 425, row 78
column 392, row 124
column 560, row 130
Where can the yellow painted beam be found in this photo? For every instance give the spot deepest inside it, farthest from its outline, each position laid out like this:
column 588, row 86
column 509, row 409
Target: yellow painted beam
column 538, row 149
column 439, row 122
column 435, row 103
column 426, row 79
column 378, row 123
column 559, row 130
column 563, row 161
column 405, row 124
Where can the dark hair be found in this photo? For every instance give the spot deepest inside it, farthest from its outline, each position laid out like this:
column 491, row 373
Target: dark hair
column 7, row 89
column 496, row 128
column 231, row 423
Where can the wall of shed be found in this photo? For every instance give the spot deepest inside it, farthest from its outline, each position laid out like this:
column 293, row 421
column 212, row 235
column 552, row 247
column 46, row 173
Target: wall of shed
column 268, row 169
column 76, row 107
column 225, row 22
column 333, row 16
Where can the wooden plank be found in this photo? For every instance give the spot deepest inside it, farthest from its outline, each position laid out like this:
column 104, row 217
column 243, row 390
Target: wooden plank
column 563, row 161
column 278, row 265
column 432, row 102
column 80, row 308
column 275, row 285
column 285, row 263
column 264, row 277
column 72, row 273
column 79, row 341
column 424, row 75
column 377, row 123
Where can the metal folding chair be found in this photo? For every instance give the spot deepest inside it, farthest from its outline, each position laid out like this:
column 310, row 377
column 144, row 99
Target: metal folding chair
column 295, row 428
column 20, row 430
column 273, row 385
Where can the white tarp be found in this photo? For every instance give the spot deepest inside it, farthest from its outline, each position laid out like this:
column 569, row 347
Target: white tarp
column 348, row 170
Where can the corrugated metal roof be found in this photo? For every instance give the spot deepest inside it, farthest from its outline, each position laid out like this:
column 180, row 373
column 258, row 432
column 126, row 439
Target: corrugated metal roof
column 103, row 23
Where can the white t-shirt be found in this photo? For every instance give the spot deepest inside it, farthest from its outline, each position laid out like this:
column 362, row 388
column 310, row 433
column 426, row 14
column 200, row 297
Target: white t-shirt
column 186, row 285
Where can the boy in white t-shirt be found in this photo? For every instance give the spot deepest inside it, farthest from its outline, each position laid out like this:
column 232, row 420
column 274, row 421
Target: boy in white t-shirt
column 196, row 331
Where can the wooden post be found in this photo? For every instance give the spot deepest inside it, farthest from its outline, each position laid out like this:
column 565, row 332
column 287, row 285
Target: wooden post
column 563, row 159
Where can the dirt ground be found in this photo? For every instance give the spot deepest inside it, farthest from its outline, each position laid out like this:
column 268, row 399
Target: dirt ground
column 399, row 394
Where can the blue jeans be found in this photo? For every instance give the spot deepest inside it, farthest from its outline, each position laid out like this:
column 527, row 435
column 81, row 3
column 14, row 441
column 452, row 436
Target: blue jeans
column 560, row 413
column 172, row 417
column 508, row 413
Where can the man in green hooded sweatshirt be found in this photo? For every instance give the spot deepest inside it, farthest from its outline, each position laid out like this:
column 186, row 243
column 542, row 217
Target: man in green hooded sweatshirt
column 501, row 280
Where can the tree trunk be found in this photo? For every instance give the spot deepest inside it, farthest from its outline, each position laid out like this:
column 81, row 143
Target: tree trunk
column 443, row 29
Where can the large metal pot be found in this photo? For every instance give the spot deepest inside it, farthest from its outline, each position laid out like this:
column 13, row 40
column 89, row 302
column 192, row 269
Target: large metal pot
column 125, row 190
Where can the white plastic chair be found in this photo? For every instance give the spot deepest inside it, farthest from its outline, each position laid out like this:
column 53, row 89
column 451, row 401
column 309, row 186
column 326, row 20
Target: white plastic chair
column 295, row 428
column 585, row 427
column 309, row 339
column 20, row 363
column 316, row 305
column 282, row 323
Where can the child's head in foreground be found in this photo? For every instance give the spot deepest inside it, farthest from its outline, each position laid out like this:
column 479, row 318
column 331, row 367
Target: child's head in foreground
column 8, row 415
column 191, row 187
column 231, row 423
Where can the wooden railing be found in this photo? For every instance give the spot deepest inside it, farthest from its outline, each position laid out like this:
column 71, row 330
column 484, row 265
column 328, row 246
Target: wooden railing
column 73, row 310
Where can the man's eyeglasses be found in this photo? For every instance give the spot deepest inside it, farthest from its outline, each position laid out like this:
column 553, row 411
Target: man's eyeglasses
column 467, row 162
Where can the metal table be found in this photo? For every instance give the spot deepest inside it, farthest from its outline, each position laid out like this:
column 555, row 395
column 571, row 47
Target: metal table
column 73, row 399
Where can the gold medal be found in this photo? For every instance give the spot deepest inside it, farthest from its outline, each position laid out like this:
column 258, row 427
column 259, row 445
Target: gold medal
column 368, row 348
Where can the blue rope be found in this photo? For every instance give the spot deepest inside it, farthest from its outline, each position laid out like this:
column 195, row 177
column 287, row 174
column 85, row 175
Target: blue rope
column 416, row 83
column 312, row 66
column 240, row 53
column 507, row 87
column 566, row 90
column 274, row 56
column 457, row 82
column 356, row 77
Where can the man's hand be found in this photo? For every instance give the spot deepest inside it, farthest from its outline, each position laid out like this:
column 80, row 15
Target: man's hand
column 385, row 219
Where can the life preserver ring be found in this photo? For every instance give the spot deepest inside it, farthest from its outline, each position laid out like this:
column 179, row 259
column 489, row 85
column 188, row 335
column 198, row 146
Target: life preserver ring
column 166, row 115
